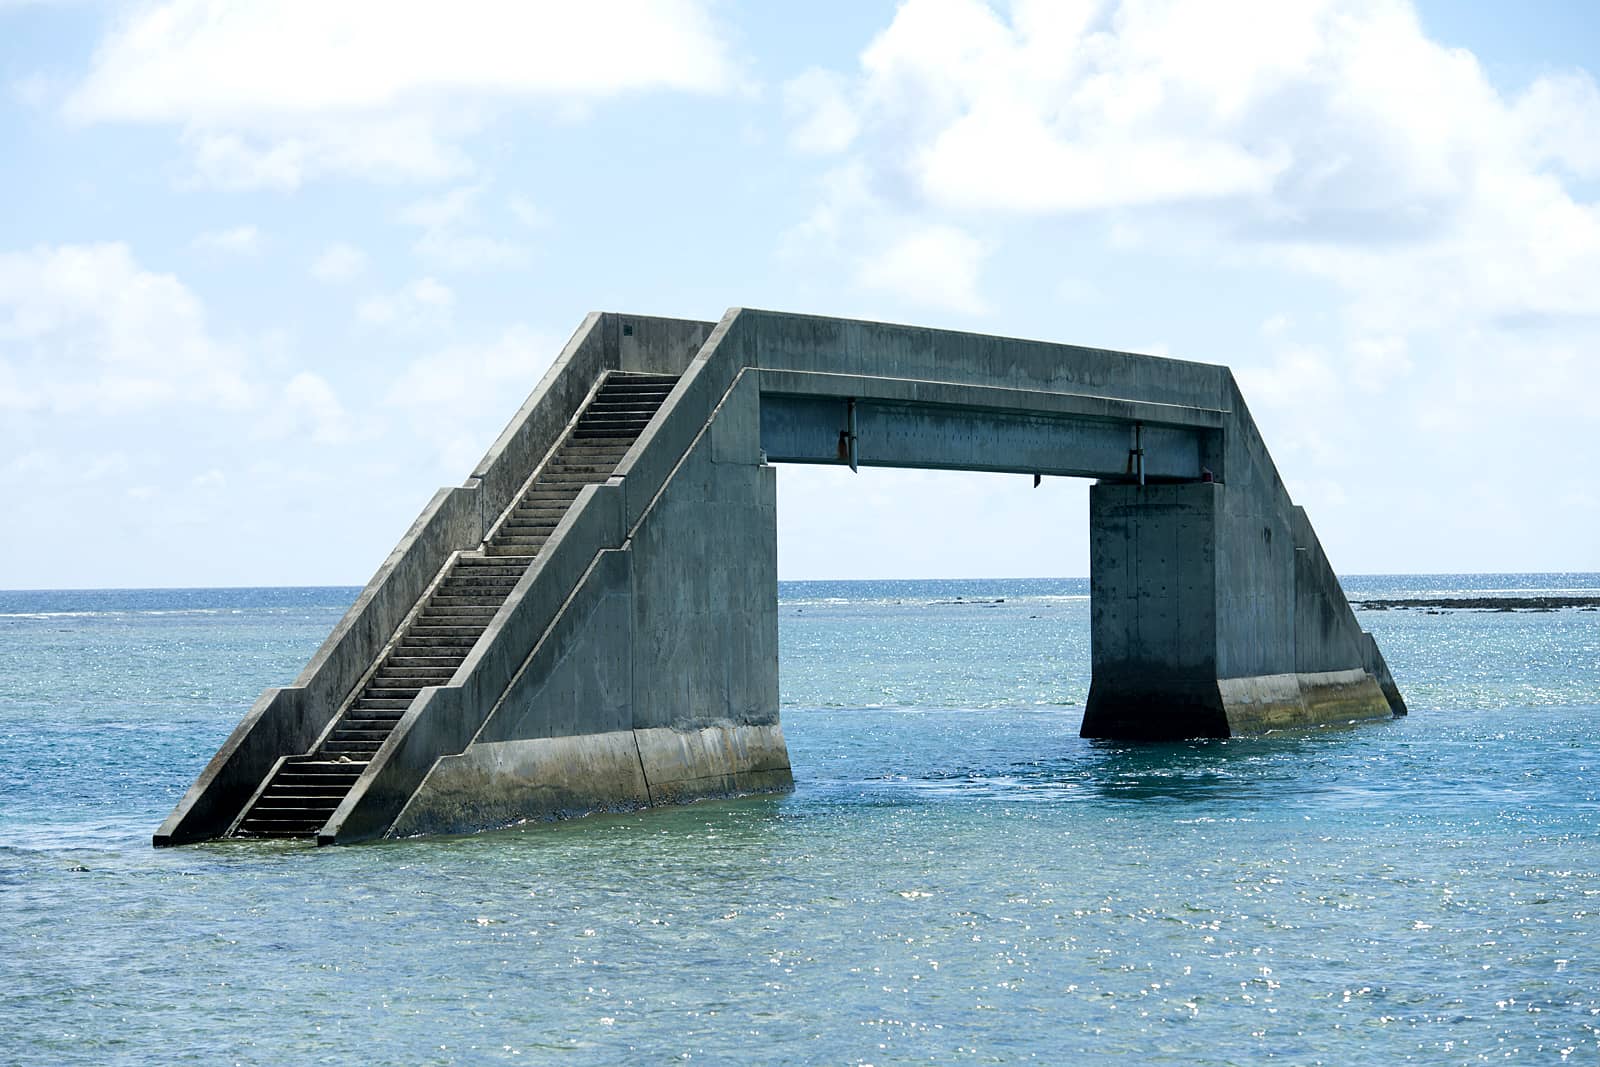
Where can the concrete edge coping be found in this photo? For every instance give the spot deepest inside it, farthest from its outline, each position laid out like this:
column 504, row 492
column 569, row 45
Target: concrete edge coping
column 589, row 331
column 934, row 334
column 986, row 398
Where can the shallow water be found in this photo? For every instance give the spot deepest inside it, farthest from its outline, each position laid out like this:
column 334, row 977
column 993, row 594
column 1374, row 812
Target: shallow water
column 956, row 878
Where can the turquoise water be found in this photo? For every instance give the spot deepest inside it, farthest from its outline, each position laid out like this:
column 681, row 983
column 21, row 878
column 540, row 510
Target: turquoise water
column 957, row 878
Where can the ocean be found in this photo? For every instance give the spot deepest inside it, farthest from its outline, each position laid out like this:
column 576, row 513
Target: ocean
column 957, row 877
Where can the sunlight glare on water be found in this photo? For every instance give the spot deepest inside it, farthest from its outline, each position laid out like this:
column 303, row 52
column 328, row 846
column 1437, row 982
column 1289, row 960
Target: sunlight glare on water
column 958, row 877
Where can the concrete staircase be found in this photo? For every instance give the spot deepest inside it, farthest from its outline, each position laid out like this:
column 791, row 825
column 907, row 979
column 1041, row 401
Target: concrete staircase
column 305, row 790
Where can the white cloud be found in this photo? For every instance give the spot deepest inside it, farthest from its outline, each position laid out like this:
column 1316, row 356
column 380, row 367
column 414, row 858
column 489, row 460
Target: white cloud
column 275, row 95
column 1330, row 140
column 458, row 397
column 421, row 304
column 237, row 241
column 450, row 238
column 825, row 121
column 1334, row 138
column 89, row 329
column 314, row 407
column 339, row 263
column 527, row 212
column 935, row 266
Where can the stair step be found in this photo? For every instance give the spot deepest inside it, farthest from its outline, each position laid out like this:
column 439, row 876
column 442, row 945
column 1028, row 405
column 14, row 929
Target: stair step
column 375, row 692
column 420, row 630
column 281, row 827
column 366, row 703
column 314, row 765
column 603, row 422
column 507, row 548
column 491, row 603
column 479, row 591
column 599, row 470
column 640, row 411
column 479, row 622
column 364, row 747
column 431, row 640
column 602, row 450
column 435, row 677
column 320, row 786
column 295, row 807
column 400, row 659
column 472, row 564
column 370, row 719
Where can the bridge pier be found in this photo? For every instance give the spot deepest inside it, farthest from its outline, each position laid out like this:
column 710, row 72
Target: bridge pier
column 1213, row 617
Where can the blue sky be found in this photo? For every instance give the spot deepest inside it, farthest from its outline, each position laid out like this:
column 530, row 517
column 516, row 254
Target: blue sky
column 270, row 276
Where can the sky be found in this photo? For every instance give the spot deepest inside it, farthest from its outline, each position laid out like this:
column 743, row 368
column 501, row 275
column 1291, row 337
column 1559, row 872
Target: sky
column 272, row 274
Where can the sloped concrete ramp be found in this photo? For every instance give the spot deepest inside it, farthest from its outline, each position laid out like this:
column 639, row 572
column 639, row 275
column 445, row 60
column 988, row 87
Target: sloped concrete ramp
column 590, row 621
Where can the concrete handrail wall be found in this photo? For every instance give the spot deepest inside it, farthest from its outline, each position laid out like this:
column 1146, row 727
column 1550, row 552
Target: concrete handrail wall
column 289, row 720
column 543, row 417
column 444, row 719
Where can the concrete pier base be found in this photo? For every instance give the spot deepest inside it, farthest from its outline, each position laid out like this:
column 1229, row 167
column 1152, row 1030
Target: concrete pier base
column 503, row 783
column 1210, row 617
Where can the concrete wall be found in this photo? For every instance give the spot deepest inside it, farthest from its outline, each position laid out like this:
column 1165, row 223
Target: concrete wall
column 655, row 345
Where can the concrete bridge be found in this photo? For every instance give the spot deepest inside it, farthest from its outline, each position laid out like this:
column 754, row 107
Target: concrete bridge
column 590, row 621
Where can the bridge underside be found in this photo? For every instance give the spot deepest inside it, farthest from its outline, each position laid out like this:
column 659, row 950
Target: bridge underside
column 628, row 655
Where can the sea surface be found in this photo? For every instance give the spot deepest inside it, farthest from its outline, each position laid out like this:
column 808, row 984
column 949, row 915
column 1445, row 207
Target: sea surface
column 957, row 877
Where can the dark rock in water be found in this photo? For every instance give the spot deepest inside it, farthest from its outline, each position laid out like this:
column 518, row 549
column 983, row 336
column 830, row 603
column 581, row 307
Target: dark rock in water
column 1437, row 605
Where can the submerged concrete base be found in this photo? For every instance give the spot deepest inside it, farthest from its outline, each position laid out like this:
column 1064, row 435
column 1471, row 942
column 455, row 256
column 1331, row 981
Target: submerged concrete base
column 1231, row 707
column 502, row 783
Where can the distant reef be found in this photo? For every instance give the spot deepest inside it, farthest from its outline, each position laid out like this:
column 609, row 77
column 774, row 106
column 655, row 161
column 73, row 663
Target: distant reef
column 1482, row 603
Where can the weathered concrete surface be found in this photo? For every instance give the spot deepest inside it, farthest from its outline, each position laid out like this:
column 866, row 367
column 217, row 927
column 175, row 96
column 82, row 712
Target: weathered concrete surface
column 501, row 783
column 635, row 662
column 674, row 643
column 291, row 719
column 1210, row 619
